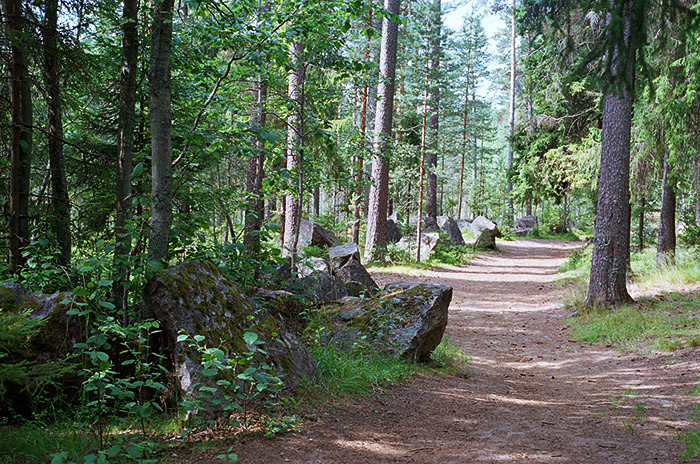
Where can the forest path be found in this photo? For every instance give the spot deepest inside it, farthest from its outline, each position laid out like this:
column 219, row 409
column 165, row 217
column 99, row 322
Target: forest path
column 530, row 395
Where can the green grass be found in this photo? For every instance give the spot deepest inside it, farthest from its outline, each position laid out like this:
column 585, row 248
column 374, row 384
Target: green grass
column 664, row 323
column 449, row 358
column 33, row 444
column 358, row 372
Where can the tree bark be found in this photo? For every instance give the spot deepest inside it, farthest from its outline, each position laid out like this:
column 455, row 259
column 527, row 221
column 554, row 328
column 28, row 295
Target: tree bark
column 379, row 191
column 21, row 133
column 666, row 245
column 511, row 119
column 434, row 110
column 697, row 191
column 642, row 213
column 60, row 205
column 421, row 175
column 125, row 148
column 295, row 147
column 608, row 277
column 161, row 131
column 255, row 171
column 359, row 185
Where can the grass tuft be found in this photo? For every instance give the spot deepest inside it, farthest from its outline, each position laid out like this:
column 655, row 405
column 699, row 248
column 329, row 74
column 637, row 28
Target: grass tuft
column 357, row 372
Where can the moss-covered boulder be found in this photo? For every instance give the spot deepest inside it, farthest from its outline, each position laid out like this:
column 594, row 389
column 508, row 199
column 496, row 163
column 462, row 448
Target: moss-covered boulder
column 197, row 299
column 408, row 320
column 38, row 333
column 487, row 239
column 55, row 331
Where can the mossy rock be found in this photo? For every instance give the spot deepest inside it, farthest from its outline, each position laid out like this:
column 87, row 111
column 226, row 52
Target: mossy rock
column 54, row 332
column 407, row 320
column 196, row 298
column 37, row 338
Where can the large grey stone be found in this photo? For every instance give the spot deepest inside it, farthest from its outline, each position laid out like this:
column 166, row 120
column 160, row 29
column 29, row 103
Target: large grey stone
column 480, row 223
column 463, row 224
column 429, row 224
column 39, row 334
column 524, row 225
column 407, row 320
column 197, row 299
column 321, row 287
column 393, row 234
column 487, row 239
column 309, row 266
column 347, row 266
column 396, row 217
column 449, row 227
column 311, row 233
column 428, row 243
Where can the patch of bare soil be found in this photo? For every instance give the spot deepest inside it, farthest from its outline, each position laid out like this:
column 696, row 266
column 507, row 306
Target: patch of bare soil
column 531, row 394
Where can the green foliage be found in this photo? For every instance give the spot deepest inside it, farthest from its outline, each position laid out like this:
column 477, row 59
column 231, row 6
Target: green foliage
column 447, row 253
column 690, row 236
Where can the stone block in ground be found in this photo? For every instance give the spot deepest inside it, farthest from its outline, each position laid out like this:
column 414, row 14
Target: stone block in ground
column 347, row 266
column 487, row 239
column 393, row 233
column 463, row 224
column 428, row 243
column 481, row 223
column 524, row 225
column 39, row 336
column 405, row 319
column 429, row 224
column 196, row 298
column 312, row 234
column 450, row 228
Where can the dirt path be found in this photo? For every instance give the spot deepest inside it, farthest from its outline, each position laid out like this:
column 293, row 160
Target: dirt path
column 531, row 394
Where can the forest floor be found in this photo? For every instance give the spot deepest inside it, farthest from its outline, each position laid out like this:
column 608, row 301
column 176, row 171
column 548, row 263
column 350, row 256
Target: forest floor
column 529, row 393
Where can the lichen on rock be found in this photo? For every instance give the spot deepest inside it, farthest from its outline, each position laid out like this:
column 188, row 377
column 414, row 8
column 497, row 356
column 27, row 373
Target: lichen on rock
column 408, row 320
column 196, row 298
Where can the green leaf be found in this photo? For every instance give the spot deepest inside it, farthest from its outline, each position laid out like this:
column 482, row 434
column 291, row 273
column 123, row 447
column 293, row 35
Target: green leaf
column 104, row 283
column 250, row 338
column 106, row 304
column 182, row 337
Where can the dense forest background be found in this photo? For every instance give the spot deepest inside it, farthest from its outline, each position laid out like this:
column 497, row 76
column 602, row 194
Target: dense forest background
column 142, row 144
column 141, row 134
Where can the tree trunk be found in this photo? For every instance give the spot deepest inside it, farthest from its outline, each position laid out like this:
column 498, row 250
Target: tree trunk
column 21, row 133
column 295, row 144
column 697, row 191
column 60, row 206
column 161, row 126
column 642, row 212
column 359, row 185
column 608, row 277
column 317, row 202
column 255, row 171
column 511, row 119
column 434, row 110
column 421, row 175
column 125, row 147
column 379, row 191
column 666, row 246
